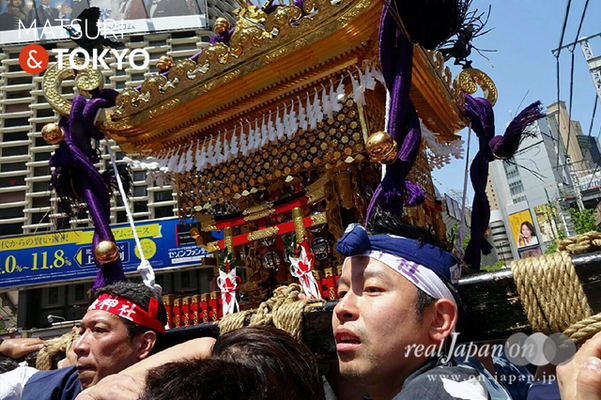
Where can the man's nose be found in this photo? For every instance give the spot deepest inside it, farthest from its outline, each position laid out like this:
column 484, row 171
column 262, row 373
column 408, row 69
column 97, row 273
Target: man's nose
column 347, row 308
column 81, row 346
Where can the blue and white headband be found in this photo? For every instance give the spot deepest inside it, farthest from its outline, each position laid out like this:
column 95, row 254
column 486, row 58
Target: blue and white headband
column 422, row 264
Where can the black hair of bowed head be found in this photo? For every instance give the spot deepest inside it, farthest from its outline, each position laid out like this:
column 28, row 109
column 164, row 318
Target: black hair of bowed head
column 206, row 379
column 285, row 362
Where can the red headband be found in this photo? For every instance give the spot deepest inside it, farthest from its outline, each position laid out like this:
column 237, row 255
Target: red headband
column 126, row 309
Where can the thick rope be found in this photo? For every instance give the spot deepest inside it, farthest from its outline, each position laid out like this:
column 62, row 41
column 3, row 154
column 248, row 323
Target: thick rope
column 585, row 243
column 52, row 347
column 583, row 330
column 550, row 291
column 284, row 310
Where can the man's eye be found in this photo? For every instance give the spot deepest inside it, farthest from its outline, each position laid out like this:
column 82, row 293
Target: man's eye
column 98, row 330
column 341, row 294
column 373, row 289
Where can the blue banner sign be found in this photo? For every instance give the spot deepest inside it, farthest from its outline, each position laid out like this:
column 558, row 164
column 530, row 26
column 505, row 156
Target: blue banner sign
column 66, row 255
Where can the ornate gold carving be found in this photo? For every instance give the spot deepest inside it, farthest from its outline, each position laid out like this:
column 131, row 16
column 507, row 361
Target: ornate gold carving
column 213, row 247
column 86, row 80
column 262, row 233
column 317, row 190
column 470, row 78
column 228, row 238
column 259, row 215
column 256, row 209
column 299, row 225
column 319, row 219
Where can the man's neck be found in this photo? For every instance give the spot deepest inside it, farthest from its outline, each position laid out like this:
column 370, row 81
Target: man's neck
column 386, row 391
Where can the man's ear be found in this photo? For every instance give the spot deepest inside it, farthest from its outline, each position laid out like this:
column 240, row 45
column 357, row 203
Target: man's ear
column 145, row 344
column 444, row 321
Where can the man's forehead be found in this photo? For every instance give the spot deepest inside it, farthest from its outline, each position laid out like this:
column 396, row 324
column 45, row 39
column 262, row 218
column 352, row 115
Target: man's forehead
column 364, row 267
column 95, row 316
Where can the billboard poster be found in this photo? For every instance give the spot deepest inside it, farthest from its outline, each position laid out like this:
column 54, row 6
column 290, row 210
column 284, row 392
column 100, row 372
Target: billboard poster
column 530, row 252
column 522, row 228
column 24, row 21
column 60, row 256
column 546, row 222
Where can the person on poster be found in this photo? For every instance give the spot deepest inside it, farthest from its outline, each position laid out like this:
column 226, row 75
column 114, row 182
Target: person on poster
column 43, row 13
column 15, row 12
column 527, row 236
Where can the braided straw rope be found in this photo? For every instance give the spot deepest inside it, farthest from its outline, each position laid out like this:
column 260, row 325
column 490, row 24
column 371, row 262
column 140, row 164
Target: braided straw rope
column 52, row 347
column 284, row 310
column 585, row 243
column 552, row 294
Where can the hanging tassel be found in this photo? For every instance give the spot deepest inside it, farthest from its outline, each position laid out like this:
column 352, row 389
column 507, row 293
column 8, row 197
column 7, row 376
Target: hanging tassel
column 189, row 159
column 328, row 102
column 234, row 149
column 370, row 81
column 415, row 194
column 242, row 141
column 111, row 181
column 505, row 147
column 173, row 160
column 302, row 116
column 340, row 95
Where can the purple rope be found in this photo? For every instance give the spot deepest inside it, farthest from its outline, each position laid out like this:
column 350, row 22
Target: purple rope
column 481, row 115
column 77, row 155
column 396, row 59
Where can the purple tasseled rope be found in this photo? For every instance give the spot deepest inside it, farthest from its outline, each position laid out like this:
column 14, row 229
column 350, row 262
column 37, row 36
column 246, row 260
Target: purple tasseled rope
column 396, row 59
column 481, row 115
column 76, row 154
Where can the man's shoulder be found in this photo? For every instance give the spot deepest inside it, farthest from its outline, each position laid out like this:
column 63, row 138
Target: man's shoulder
column 444, row 383
column 58, row 384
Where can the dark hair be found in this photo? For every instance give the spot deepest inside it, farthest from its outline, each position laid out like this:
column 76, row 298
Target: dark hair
column 384, row 222
column 139, row 294
column 7, row 364
column 208, row 379
column 529, row 226
column 287, row 364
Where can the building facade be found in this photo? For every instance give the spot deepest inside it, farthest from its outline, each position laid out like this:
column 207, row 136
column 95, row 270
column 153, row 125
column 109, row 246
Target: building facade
column 532, row 192
column 28, row 206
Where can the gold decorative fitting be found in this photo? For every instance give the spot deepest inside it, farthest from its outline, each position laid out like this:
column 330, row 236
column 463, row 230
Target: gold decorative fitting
column 106, row 252
column 164, row 64
column 259, row 215
column 213, row 247
column 259, row 208
column 262, row 233
column 86, row 80
column 319, row 219
column 222, row 25
column 194, row 233
column 381, row 147
column 53, row 134
column 470, row 78
column 299, row 225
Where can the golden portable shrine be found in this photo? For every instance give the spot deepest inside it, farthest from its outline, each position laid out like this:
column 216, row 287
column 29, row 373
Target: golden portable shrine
column 277, row 135
column 310, row 179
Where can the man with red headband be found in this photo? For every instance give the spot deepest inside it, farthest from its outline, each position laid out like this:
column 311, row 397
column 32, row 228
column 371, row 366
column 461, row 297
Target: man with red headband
column 124, row 325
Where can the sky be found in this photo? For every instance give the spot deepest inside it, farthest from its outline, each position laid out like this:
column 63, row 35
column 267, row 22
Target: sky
column 526, row 32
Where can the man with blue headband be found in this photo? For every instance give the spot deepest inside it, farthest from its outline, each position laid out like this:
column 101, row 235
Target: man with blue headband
column 396, row 300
